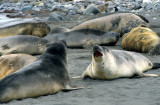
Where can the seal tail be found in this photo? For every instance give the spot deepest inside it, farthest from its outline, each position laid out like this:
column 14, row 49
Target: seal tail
column 156, row 65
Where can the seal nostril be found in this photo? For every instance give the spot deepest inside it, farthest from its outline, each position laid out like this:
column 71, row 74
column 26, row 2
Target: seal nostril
column 95, row 47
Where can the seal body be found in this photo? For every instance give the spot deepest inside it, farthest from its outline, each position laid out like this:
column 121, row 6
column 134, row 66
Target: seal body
column 118, row 22
column 112, row 64
column 24, row 27
column 13, row 62
column 46, row 75
column 140, row 39
column 85, row 38
column 22, row 44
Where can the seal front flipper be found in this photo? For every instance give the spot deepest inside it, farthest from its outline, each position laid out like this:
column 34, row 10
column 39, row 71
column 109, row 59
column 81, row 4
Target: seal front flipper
column 77, row 77
column 85, row 74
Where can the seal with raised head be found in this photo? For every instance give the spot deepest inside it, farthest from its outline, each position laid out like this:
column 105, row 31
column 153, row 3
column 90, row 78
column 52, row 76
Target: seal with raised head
column 85, row 38
column 14, row 27
column 141, row 39
column 13, row 62
column 119, row 22
column 22, row 44
column 47, row 75
column 112, row 64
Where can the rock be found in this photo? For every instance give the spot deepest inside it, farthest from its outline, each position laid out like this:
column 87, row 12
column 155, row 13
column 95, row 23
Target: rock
column 55, row 17
column 149, row 7
column 26, row 9
column 91, row 9
column 17, row 15
column 71, row 12
column 103, row 7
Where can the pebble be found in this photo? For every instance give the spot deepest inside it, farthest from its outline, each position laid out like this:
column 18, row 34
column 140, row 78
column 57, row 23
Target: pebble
column 91, row 10
column 85, row 7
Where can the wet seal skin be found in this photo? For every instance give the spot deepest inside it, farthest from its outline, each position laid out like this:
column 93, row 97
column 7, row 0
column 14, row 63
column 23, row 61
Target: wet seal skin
column 47, row 75
column 85, row 38
column 118, row 22
column 22, row 44
column 141, row 39
column 112, row 64
column 13, row 62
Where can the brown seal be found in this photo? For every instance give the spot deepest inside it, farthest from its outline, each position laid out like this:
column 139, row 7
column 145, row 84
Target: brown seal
column 14, row 27
column 118, row 22
column 13, row 62
column 140, row 39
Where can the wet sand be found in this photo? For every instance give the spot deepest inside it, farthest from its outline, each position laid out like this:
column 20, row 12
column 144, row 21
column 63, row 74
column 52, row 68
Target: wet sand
column 123, row 91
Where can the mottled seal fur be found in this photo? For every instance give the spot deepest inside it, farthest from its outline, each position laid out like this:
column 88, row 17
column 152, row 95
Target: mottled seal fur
column 119, row 22
column 85, row 38
column 22, row 44
column 24, row 27
column 112, row 64
column 46, row 75
column 13, row 62
column 140, row 39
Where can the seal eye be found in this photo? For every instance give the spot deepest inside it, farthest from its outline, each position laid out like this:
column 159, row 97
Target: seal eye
column 97, row 54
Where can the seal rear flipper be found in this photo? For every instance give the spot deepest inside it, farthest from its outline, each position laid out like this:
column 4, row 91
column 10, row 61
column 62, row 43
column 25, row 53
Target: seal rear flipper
column 155, row 50
column 73, row 87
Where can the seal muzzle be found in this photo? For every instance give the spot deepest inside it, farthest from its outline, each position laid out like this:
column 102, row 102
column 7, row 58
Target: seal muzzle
column 97, row 51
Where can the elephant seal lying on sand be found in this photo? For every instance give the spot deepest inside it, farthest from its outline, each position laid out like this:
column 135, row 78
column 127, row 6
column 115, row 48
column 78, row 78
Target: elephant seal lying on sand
column 119, row 22
column 13, row 62
column 22, row 44
column 46, row 75
column 141, row 39
column 24, row 27
column 112, row 64
column 85, row 37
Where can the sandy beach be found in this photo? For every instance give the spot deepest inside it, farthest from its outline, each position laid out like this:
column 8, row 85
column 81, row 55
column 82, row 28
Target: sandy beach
column 123, row 91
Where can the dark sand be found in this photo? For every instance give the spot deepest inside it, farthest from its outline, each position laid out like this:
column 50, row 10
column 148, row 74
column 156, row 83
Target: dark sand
column 123, row 91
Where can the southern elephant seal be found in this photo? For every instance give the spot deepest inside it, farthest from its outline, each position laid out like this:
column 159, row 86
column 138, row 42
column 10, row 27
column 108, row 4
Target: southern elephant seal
column 112, row 64
column 13, row 62
column 85, row 38
column 141, row 39
column 119, row 22
column 22, row 44
column 47, row 75
column 23, row 27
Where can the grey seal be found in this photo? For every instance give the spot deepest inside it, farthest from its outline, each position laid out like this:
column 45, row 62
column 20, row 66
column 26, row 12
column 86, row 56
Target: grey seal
column 22, row 44
column 85, row 38
column 47, row 75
